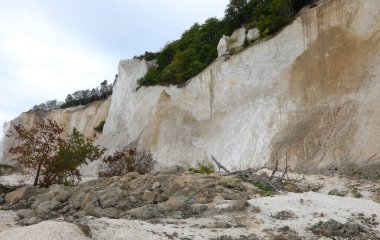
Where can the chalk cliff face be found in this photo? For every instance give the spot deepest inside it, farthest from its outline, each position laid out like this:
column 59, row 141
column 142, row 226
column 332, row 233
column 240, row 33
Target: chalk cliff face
column 311, row 93
column 84, row 118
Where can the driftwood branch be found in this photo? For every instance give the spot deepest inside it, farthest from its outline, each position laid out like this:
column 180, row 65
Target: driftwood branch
column 275, row 168
column 277, row 182
column 220, row 166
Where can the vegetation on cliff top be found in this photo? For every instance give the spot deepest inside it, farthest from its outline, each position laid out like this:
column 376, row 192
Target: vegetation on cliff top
column 80, row 97
column 184, row 58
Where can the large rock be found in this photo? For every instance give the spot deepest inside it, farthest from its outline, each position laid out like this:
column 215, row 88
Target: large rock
column 235, row 43
column 45, row 231
column 108, row 197
column 15, row 196
column 223, row 46
column 253, row 34
column 237, row 38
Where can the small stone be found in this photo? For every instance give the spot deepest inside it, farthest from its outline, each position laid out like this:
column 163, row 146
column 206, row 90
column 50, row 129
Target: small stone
column 146, row 212
column 26, row 213
column 129, row 176
column 62, row 196
column 314, row 187
column 173, row 170
column 99, row 212
column 149, row 196
column 172, row 188
column 285, row 215
column 156, row 185
column 47, row 206
column 110, row 213
column 224, row 225
column 30, row 221
column 79, row 214
column 123, row 205
column 198, row 208
column 87, row 199
column 150, row 213
column 132, row 199
column 90, row 210
column 342, row 191
column 109, row 197
column 178, row 215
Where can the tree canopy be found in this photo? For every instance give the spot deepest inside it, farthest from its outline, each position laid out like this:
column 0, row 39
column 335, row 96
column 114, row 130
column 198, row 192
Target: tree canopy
column 80, row 97
column 42, row 151
column 184, row 58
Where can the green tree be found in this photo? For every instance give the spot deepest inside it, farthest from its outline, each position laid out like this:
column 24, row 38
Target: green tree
column 236, row 14
column 273, row 15
column 42, row 152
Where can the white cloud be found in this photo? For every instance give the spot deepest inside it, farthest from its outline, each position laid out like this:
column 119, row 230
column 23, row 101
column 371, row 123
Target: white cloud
column 41, row 62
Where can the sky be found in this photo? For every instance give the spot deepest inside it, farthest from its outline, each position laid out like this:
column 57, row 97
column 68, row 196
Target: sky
column 50, row 48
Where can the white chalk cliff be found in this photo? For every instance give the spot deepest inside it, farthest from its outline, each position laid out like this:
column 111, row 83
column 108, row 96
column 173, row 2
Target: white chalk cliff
column 311, row 92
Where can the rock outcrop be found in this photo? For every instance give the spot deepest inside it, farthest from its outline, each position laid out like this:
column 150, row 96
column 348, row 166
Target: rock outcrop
column 235, row 42
column 308, row 95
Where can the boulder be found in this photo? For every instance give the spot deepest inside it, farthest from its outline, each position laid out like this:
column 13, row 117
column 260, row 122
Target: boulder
column 15, row 196
column 30, row 221
column 129, row 176
column 45, row 230
column 47, row 206
column 253, row 34
column 108, row 197
column 339, row 191
column 237, row 38
column 145, row 212
column 175, row 169
column 98, row 212
column 87, row 199
column 149, row 196
column 223, row 46
column 62, row 196
column 26, row 213
column 156, row 186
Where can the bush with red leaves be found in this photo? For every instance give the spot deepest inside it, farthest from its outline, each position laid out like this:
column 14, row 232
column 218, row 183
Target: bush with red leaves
column 127, row 160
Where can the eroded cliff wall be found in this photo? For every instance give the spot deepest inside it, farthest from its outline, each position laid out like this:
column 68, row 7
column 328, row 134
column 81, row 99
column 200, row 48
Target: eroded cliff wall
column 83, row 118
column 310, row 93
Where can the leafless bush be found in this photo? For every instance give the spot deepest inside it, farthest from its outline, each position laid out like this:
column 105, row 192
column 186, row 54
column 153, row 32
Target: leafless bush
column 277, row 181
column 127, row 160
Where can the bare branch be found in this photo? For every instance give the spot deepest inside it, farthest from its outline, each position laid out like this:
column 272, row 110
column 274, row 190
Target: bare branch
column 219, row 164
